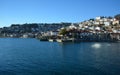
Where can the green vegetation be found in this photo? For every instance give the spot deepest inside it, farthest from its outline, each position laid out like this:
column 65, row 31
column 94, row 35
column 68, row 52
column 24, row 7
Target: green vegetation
column 63, row 31
column 117, row 16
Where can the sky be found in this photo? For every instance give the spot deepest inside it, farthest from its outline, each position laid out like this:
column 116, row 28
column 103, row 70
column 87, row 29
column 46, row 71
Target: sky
column 54, row 11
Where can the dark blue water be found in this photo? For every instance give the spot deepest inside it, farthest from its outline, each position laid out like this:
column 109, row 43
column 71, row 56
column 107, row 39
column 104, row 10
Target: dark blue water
column 32, row 57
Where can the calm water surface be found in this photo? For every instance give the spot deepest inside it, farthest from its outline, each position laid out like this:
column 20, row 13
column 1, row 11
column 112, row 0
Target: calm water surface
column 33, row 57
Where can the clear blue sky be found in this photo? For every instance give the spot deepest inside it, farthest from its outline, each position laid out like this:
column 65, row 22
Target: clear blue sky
column 49, row 11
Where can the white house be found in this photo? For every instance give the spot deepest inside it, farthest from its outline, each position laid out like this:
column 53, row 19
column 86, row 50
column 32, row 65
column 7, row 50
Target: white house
column 72, row 26
column 99, row 17
column 107, row 23
column 97, row 28
column 116, row 22
column 96, row 22
column 54, row 33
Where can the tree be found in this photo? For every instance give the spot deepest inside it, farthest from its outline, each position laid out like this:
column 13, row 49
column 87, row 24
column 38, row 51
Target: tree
column 63, row 31
column 117, row 16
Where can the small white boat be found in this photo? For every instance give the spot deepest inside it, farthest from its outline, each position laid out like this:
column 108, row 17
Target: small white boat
column 51, row 40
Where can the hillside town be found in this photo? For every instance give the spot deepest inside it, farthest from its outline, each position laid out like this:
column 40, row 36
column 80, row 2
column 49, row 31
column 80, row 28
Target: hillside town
column 30, row 30
column 98, row 29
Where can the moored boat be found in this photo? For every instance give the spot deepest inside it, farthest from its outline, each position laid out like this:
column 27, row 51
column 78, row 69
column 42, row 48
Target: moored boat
column 52, row 40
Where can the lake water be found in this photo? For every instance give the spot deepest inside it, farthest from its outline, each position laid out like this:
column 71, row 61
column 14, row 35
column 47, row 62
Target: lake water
column 33, row 57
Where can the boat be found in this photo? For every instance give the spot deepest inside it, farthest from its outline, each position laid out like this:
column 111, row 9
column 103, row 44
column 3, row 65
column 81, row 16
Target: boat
column 43, row 39
column 64, row 40
column 51, row 40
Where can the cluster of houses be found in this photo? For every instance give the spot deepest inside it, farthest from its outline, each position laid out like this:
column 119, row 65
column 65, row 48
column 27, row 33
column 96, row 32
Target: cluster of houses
column 98, row 29
column 30, row 30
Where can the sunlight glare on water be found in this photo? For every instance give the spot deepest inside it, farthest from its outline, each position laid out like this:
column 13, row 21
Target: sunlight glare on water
column 96, row 45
